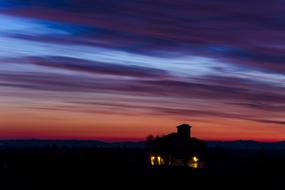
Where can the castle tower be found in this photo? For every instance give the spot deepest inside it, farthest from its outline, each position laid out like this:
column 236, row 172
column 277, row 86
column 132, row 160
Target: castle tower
column 184, row 131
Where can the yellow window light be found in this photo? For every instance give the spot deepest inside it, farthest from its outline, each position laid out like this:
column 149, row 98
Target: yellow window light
column 195, row 159
column 159, row 160
column 195, row 165
column 152, row 160
column 156, row 160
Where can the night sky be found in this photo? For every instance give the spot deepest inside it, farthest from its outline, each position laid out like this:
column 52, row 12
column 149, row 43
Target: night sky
column 120, row 70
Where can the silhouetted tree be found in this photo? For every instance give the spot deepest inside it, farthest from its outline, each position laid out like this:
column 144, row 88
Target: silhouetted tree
column 149, row 141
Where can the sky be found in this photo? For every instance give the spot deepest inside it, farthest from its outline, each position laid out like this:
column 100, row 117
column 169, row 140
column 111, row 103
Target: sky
column 122, row 70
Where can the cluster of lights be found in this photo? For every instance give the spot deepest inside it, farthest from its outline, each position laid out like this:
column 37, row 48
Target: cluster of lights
column 156, row 160
column 195, row 161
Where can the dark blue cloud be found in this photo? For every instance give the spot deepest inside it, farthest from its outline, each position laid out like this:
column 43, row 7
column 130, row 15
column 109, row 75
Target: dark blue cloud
column 221, row 29
column 81, row 65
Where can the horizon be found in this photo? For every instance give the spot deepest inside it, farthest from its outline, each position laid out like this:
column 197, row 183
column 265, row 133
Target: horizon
column 123, row 70
column 136, row 140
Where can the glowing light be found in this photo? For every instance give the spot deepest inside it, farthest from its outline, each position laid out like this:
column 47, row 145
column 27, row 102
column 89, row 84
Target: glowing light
column 194, row 165
column 156, row 160
column 159, row 160
column 152, row 160
column 195, row 159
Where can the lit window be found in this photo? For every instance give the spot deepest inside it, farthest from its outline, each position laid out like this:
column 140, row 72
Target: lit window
column 159, row 160
column 156, row 160
column 152, row 160
column 195, row 165
column 195, row 159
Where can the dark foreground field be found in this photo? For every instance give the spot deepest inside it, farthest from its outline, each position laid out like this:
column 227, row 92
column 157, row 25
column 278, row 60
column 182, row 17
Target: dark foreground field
column 94, row 167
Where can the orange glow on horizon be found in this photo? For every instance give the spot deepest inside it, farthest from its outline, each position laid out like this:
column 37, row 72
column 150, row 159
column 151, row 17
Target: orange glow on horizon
column 113, row 127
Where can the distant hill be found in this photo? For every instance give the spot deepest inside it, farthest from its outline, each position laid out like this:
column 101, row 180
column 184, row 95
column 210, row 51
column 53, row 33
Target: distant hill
column 246, row 145
column 102, row 144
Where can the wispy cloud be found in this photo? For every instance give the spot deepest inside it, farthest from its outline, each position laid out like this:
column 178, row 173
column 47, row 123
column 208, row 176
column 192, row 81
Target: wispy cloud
column 196, row 59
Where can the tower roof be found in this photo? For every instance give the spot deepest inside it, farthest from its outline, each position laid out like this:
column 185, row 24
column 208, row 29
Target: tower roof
column 184, row 125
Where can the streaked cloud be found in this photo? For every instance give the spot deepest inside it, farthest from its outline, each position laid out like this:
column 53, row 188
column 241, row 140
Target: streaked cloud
column 202, row 60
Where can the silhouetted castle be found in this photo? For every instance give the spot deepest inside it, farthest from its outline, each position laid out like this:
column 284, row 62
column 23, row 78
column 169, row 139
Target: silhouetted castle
column 177, row 149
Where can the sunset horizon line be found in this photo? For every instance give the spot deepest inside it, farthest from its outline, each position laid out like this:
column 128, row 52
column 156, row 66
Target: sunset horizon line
column 135, row 140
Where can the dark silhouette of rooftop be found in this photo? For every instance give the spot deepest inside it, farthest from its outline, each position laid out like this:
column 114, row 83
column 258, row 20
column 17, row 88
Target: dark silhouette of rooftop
column 184, row 131
column 177, row 148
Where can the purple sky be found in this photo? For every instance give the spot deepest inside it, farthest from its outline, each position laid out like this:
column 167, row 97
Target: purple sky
column 110, row 64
